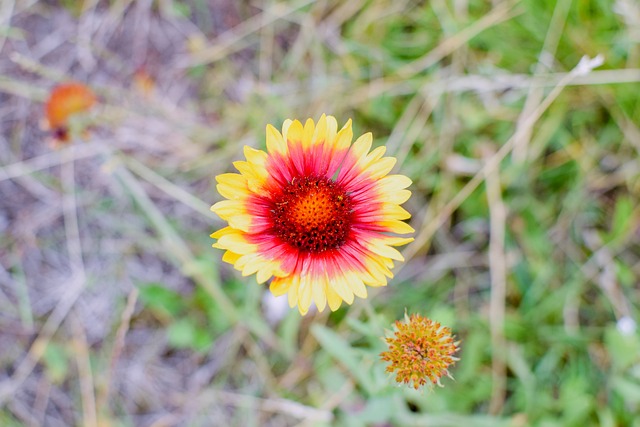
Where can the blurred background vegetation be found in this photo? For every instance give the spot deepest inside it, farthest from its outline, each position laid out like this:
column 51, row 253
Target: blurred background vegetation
column 115, row 311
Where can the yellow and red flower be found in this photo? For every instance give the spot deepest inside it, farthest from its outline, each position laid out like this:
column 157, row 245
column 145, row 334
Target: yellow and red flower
column 420, row 351
column 315, row 212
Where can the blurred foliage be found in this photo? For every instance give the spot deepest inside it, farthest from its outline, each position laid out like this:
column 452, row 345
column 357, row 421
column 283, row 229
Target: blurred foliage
column 571, row 235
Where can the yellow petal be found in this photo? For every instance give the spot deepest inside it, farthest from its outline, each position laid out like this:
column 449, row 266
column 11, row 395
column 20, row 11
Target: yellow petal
column 375, row 155
column 275, row 142
column 394, row 211
column 381, row 167
column 236, row 191
column 332, row 129
column 356, row 285
column 378, row 268
column 285, row 129
column 361, row 147
column 369, row 280
column 264, row 274
column 280, row 286
column 234, row 212
column 228, row 208
column 230, row 257
column 241, row 222
column 377, row 284
column 344, row 137
column 346, row 125
column 385, row 251
column 319, row 293
column 397, row 241
column 222, row 232
column 304, row 294
column 255, row 175
column 248, row 263
column 295, row 132
column 232, row 180
column 396, row 226
column 235, row 243
column 393, row 183
column 388, row 262
column 320, row 132
column 339, row 284
column 292, row 297
column 333, row 299
column 397, row 197
column 307, row 136
column 256, row 157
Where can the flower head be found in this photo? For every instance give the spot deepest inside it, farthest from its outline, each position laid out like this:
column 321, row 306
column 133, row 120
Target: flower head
column 420, row 351
column 64, row 101
column 315, row 212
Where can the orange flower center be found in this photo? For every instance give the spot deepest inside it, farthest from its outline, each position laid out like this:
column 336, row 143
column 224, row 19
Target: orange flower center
column 312, row 214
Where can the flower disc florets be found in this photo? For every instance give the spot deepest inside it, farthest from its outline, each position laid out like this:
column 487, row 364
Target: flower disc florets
column 420, row 351
column 313, row 214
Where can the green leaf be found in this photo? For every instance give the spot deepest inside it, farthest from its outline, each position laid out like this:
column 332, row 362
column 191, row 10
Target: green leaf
column 606, row 417
column 625, row 274
column 202, row 339
column 7, row 419
column 288, row 331
column 621, row 221
column 575, row 401
column 182, row 334
column 378, row 410
column 56, row 361
column 159, row 298
column 342, row 352
column 371, row 330
column 180, row 9
column 624, row 350
column 472, row 355
column 629, row 390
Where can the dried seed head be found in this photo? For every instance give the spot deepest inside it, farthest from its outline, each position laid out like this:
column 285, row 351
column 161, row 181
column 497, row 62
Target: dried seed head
column 420, row 351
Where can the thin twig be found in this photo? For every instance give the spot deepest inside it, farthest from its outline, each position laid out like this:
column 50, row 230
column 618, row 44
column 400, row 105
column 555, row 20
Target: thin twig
column 277, row 406
column 70, row 212
column 56, row 158
column 168, row 187
column 498, row 271
column 87, row 390
column 535, row 94
column 118, row 345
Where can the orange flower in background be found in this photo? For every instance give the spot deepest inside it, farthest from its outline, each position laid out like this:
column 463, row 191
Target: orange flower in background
column 143, row 82
column 420, row 351
column 315, row 212
column 64, row 101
